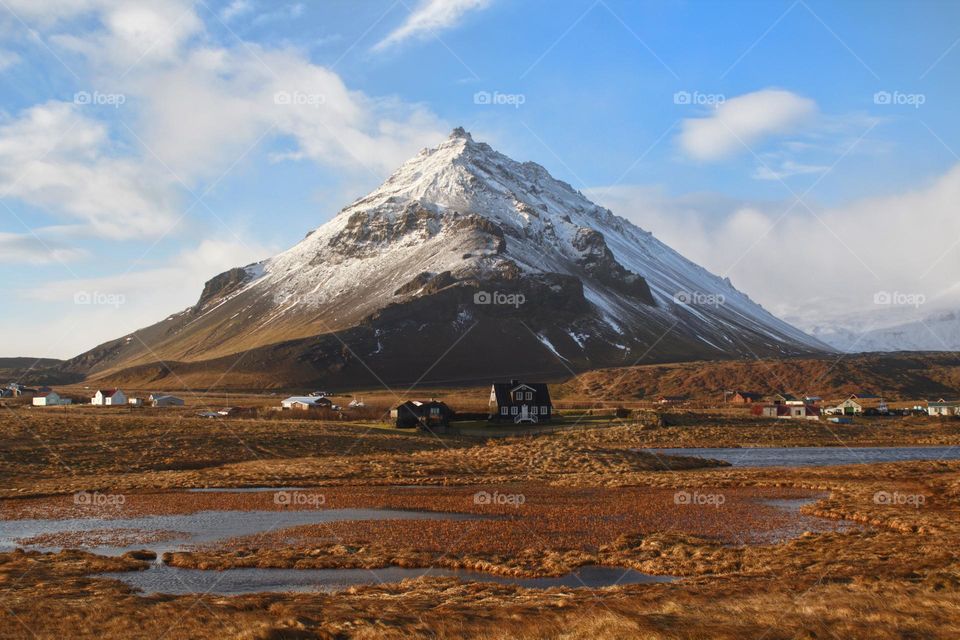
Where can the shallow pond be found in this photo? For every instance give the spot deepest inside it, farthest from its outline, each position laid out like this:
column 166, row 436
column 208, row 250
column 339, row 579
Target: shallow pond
column 164, row 579
column 813, row 456
column 112, row 536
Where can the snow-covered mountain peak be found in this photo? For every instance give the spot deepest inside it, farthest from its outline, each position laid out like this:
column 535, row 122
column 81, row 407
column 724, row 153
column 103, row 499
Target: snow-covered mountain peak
column 437, row 249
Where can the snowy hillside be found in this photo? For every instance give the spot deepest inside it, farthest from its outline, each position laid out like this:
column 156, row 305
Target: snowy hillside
column 909, row 331
column 453, row 227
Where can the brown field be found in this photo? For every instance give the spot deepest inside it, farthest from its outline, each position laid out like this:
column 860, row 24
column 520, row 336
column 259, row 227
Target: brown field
column 848, row 566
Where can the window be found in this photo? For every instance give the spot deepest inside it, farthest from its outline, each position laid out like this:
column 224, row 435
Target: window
column 533, row 409
column 504, row 410
column 544, row 410
column 513, row 410
column 518, row 396
column 529, row 395
column 434, row 411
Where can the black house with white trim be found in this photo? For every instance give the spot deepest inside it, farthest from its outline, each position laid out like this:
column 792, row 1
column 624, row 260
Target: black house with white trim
column 520, row 402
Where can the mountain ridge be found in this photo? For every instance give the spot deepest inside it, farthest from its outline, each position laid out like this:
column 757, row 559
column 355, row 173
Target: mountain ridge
column 455, row 230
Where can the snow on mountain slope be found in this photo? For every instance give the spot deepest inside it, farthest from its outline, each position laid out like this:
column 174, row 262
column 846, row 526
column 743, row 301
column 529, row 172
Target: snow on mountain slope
column 452, row 222
column 910, row 330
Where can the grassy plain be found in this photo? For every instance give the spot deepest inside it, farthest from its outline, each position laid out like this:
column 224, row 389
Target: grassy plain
column 748, row 570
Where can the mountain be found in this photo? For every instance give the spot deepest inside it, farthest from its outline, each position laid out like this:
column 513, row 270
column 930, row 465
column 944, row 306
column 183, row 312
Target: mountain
column 901, row 330
column 35, row 371
column 897, row 377
column 462, row 266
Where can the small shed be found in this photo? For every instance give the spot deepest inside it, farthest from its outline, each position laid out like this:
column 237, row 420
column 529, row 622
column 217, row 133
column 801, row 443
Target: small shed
column 165, row 401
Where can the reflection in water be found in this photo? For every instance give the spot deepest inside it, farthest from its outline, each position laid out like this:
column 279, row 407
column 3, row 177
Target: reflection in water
column 813, row 456
column 175, row 532
column 165, row 579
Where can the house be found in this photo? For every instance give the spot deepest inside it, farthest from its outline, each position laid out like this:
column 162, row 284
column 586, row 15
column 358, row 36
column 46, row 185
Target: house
column 781, row 398
column 109, row 398
column 849, row 407
column 304, row 403
column 791, row 412
column 942, row 407
column 135, row 402
column 49, row 399
column 164, row 401
column 18, row 390
column 520, row 402
column 745, row 397
column 430, row 414
column 671, row 399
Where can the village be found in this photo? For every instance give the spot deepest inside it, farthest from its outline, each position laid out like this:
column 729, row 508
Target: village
column 512, row 403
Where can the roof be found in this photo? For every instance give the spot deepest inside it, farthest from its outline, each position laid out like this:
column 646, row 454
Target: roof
column 45, row 394
column 785, row 396
column 308, row 400
column 502, row 391
column 107, row 393
column 749, row 394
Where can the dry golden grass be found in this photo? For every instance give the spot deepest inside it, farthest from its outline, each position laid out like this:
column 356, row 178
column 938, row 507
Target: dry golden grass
column 588, row 500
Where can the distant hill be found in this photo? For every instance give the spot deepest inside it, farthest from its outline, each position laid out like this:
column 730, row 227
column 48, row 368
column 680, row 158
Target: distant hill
column 903, row 376
column 32, row 371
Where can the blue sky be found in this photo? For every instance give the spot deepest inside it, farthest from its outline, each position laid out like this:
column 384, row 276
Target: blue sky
column 805, row 149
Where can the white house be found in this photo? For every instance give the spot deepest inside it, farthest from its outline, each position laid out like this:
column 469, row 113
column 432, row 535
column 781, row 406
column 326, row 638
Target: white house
column 165, row 401
column 306, row 402
column 49, row 399
column 109, row 398
column 943, row 407
column 135, row 402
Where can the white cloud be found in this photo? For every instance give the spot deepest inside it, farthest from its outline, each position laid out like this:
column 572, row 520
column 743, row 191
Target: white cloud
column 813, row 268
column 127, row 302
column 742, row 122
column 54, row 157
column 32, row 249
column 785, row 169
column 200, row 116
column 195, row 109
column 235, row 9
column 8, row 59
column 429, row 17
